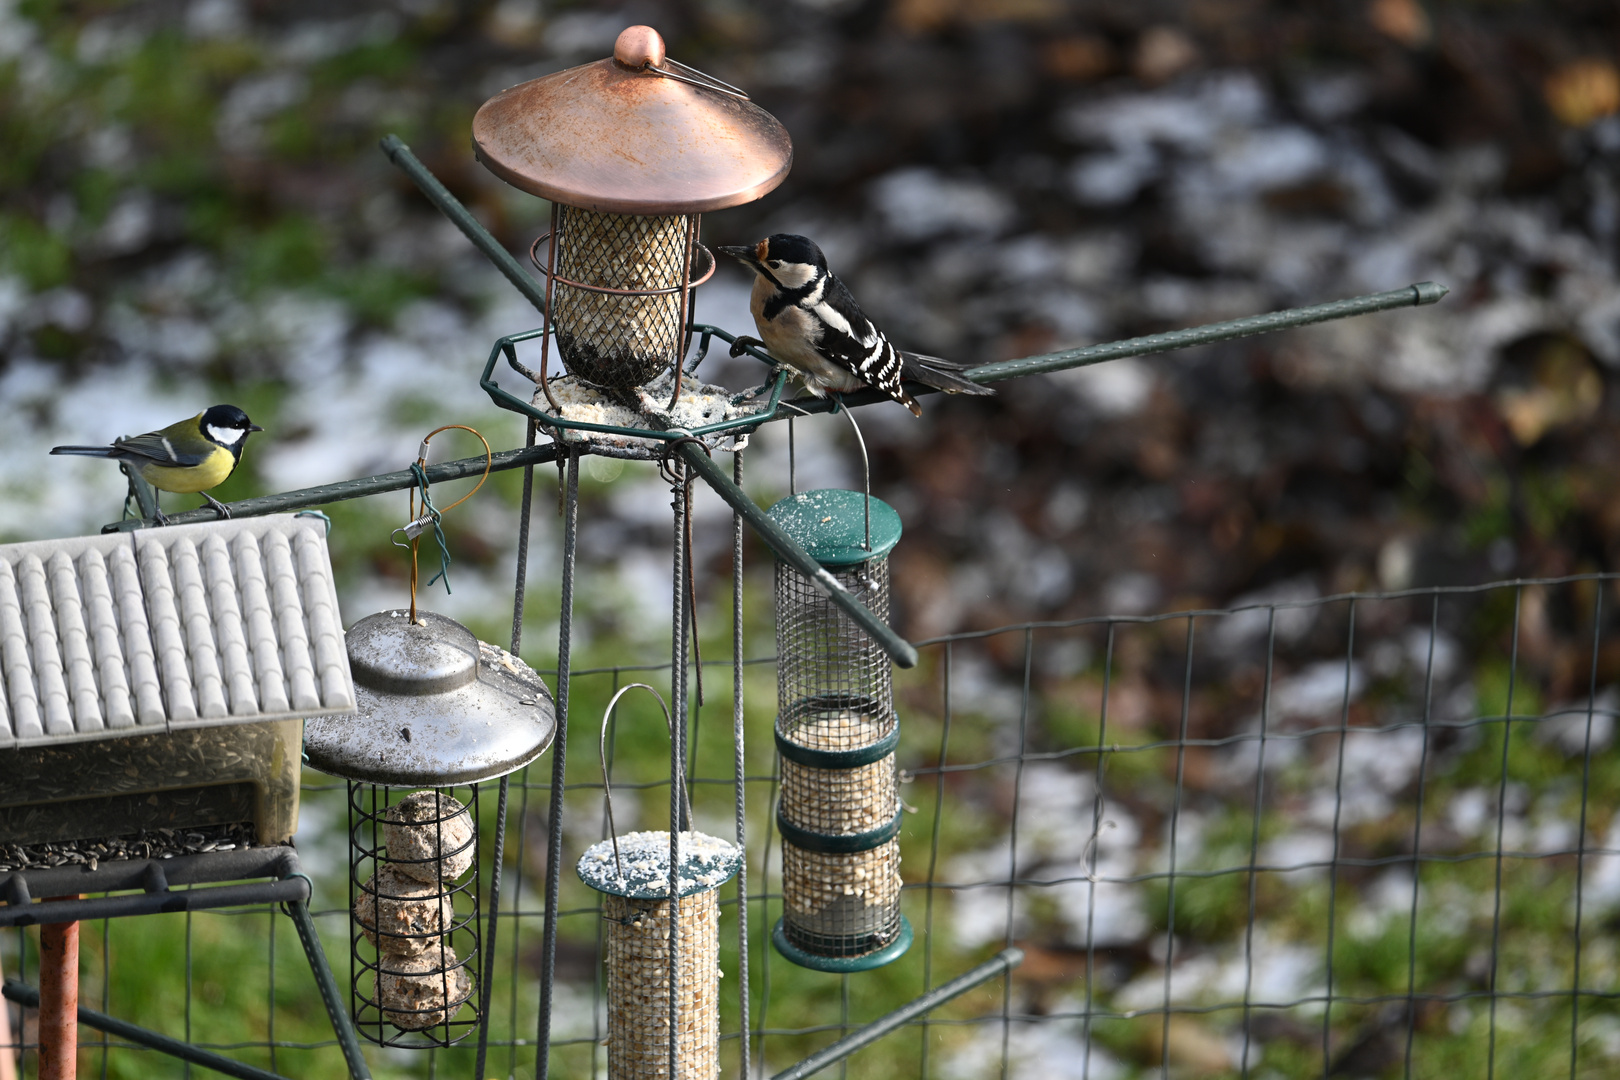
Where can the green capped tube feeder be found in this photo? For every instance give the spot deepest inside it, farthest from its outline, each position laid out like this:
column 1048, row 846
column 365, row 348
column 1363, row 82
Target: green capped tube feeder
column 836, row 730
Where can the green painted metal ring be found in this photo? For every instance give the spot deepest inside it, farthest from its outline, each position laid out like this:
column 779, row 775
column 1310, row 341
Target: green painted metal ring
column 843, row 965
column 840, row 843
column 838, row 759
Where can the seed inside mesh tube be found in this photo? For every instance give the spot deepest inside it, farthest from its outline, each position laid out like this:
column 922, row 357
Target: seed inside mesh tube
column 638, row 987
column 836, row 802
column 618, row 342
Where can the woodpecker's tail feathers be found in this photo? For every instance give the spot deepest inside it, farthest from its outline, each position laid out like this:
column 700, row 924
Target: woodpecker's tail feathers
column 85, row 451
column 941, row 375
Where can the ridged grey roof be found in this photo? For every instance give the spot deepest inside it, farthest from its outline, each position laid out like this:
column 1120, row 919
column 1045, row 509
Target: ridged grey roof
column 158, row 629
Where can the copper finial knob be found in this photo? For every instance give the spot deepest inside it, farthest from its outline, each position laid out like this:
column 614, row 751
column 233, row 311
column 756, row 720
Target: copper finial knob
column 639, row 46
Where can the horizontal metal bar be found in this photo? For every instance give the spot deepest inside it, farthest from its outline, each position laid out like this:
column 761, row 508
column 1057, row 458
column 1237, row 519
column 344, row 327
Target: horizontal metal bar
column 155, row 903
column 789, row 551
column 111, row 875
column 1005, row 960
column 462, row 218
column 28, row 997
column 1424, row 292
column 359, row 488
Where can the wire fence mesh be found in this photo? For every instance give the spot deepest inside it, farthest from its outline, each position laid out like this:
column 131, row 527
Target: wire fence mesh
column 1360, row 835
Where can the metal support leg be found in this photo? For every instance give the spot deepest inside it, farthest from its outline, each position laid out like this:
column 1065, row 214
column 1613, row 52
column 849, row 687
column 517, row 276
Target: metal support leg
column 559, row 764
column 331, row 996
column 59, row 1001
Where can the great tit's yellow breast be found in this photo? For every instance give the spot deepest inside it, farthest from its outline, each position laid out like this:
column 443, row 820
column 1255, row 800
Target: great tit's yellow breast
column 187, row 479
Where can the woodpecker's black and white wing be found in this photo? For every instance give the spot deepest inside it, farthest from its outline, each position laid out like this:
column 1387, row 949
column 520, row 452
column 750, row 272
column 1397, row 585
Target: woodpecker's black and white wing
column 853, row 341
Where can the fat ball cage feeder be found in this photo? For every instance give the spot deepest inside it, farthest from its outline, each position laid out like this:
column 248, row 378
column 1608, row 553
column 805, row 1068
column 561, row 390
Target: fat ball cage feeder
column 631, row 151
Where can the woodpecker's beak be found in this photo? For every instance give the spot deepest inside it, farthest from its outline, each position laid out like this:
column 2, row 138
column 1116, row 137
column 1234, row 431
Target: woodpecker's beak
column 744, row 255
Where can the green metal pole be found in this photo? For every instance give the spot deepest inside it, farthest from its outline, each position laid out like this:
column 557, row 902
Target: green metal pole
column 401, row 155
column 28, row 997
column 1424, row 292
column 331, row 996
column 1005, row 960
column 357, row 489
column 899, row 649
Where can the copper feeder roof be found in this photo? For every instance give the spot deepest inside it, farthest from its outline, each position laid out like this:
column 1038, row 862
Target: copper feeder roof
column 633, row 134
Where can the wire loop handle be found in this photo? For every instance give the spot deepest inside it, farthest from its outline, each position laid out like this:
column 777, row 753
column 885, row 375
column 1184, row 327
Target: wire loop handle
column 601, row 758
column 431, row 517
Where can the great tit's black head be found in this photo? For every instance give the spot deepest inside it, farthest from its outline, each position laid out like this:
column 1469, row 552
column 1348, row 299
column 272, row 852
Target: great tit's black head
column 227, row 425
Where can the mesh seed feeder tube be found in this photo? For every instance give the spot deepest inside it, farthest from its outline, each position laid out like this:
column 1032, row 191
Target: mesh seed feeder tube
column 836, row 730
column 659, row 1026
column 631, row 151
column 439, row 714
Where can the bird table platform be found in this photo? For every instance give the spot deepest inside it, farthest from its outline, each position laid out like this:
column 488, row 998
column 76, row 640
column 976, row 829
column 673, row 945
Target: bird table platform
column 153, row 686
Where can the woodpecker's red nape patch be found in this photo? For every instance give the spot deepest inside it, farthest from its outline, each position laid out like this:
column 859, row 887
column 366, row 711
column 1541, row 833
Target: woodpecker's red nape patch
column 762, row 249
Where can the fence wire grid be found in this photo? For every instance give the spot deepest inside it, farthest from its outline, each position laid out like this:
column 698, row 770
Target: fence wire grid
column 1357, row 835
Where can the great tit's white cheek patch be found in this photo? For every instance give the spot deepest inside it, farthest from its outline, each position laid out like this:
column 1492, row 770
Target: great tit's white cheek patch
column 225, row 435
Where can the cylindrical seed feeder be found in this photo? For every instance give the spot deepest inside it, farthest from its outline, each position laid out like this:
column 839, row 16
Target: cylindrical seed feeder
column 836, row 730
column 632, row 872
column 630, row 151
column 440, row 713
column 662, row 922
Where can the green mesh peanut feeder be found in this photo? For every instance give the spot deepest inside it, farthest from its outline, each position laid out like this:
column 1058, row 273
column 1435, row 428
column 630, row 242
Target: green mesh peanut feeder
column 662, row 931
column 836, row 729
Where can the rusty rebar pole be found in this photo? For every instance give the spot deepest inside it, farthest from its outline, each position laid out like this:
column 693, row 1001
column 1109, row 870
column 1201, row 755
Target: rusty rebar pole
column 59, row 1000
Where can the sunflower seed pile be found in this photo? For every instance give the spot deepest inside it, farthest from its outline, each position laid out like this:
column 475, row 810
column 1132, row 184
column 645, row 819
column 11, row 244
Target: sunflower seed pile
column 146, row 844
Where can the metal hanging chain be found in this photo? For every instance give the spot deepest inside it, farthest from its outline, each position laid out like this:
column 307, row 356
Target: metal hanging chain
column 430, row 516
column 601, row 758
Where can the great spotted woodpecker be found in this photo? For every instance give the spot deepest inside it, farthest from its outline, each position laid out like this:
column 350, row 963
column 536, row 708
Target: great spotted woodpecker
column 811, row 323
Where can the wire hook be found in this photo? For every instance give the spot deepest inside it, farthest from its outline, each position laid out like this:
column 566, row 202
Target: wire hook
column 601, row 758
column 432, row 516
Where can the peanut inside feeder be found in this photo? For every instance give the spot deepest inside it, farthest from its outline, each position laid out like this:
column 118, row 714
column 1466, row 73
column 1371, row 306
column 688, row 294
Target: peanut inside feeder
column 836, row 730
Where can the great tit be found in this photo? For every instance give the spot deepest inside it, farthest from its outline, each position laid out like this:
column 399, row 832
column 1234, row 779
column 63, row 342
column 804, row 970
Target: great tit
column 190, row 456
column 811, row 323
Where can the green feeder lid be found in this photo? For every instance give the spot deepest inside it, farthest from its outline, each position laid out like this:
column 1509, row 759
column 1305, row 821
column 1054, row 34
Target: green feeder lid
column 830, row 525
column 639, row 866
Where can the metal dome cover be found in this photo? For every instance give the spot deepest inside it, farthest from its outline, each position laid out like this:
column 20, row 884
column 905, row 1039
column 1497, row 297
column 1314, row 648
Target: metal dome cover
column 436, row 707
column 632, row 135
